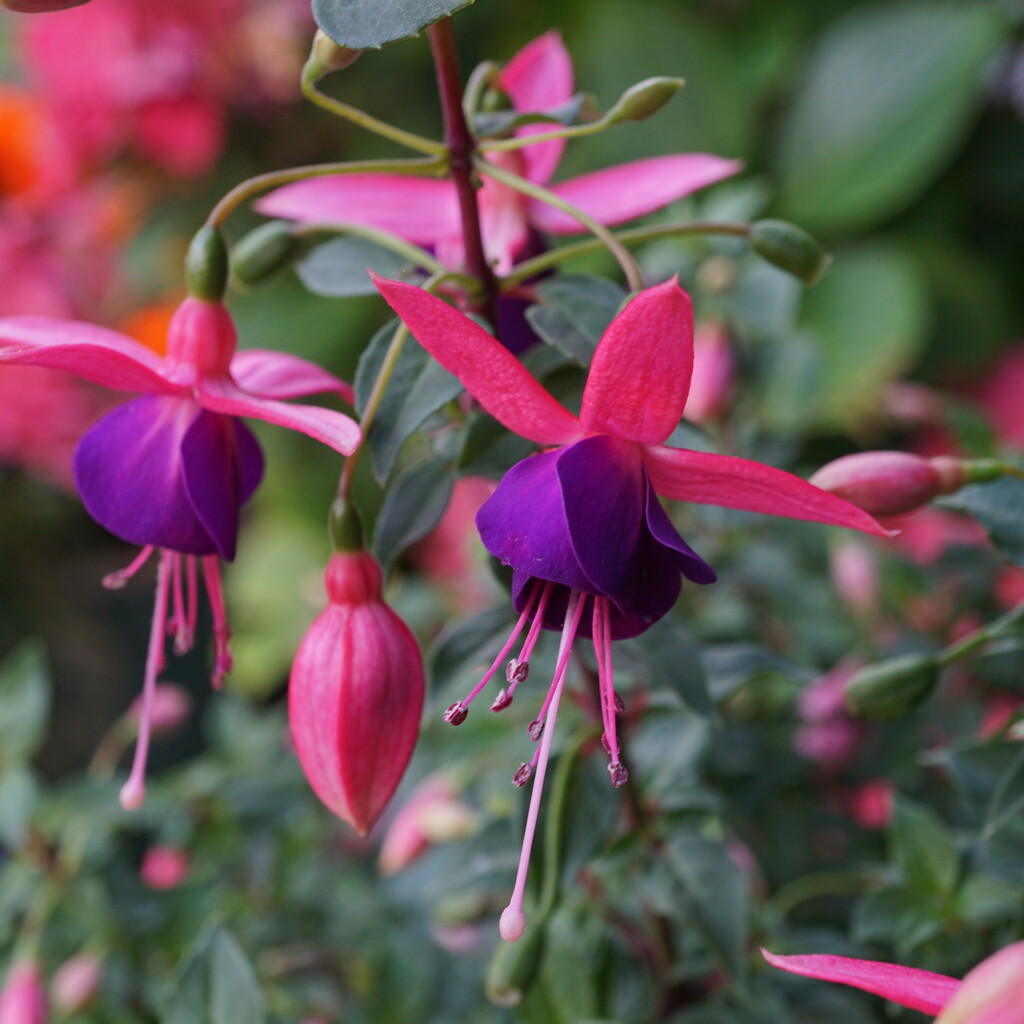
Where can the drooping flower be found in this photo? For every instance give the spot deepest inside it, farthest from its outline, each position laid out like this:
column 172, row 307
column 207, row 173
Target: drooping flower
column 356, row 694
column 592, row 551
column 992, row 993
column 171, row 470
column 425, row 211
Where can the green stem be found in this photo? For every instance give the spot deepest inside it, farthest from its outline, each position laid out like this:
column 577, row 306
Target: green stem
column 413, row 253
column 369, row 122
column 434, row 167
column 479, row 80
column 633, row 236
column 982, row 636
column 535, row 191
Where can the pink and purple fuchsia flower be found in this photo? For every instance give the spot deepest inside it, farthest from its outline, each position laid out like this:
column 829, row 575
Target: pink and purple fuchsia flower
column 592, row 551
column 171, row 470
column 425, row 211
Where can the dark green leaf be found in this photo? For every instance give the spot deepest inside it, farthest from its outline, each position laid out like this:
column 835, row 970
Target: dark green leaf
column 590, row 813
column 418, row 387
column 217, row 985
column 731, row 666
column 503, row 121
column 369, row 24
column 24, row 702
column 17, row 799
column 999, row 507
column 339, row 268
column 671, row 658
column 574, row 312
column 887, row 99
column 924, row 850
column 488, row 449
column 470, row 643
column 717, row 893
column 412, row 507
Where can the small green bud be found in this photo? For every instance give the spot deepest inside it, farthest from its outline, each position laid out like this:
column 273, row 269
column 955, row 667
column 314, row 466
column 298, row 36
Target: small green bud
column 264, row 251
column 345, row 527
column 639, row 101
column 206, row 265
column 789, row 248
column 513, row 969
column 326, row 56
column 495, row 101
column 892, row 688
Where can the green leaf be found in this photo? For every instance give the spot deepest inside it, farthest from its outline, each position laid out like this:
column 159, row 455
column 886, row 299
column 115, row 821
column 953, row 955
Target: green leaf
column 924, row 850
column 717, row 892
column 339, row 268
column 501, row 122
column 574, row 312
column 369, row 24
column 671, row 658
column 412, row 507
column 999, row 507
column 867, row 318
column 886, row 101
column 24, row 702
column 18, row 792
column 217, row 985
column 470, row 643
column 418, row 387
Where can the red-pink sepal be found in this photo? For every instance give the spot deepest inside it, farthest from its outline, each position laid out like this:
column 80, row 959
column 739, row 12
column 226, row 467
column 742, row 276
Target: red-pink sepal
column 992, row 993
column 920, row 990
column 490, row 373
column 889, row 483
column 356, row 694
column 23, row 999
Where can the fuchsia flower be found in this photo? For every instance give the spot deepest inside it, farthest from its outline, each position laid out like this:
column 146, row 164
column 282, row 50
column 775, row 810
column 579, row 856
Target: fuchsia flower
column 356, row 694
column 23, row 998
column 172, row 469
column 165, row 867
column 592, row 551
column 425, row 211
column 992, row 993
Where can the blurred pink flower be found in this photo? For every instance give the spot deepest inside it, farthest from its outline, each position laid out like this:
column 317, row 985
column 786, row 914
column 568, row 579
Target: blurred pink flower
column 713, row 367
column 76, row 982
column 854, row 572
column 829, row 736
column 23, row 999
column 871, row 803
column 1000, row 396
column 164, row 867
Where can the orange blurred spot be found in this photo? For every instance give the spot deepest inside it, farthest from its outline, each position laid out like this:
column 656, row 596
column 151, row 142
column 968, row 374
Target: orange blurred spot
column 21, row 120
column 149, row 325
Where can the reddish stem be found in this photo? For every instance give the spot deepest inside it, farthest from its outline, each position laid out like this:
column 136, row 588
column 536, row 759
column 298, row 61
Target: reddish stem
column 461, row 147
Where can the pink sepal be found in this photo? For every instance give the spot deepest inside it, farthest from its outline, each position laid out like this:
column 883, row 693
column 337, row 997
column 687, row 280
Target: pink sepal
column 272, row 374
column 992, row 993
column 640, row 373
column 920, row 990
column 92, row 353
column 631, row 190
column 539, row 77
column 334, row 429
column 490, row 373
column 739, row 483
column 421, row 210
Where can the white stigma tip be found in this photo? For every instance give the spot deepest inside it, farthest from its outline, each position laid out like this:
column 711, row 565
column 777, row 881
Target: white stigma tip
column 512, row 924
column 132, row 795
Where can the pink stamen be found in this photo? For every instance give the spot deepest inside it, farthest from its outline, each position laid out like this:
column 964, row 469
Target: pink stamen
column 116, row 580
column 513, row 922
column 178, row 625
column 610, row 700
column 519, row 668
column 133, row 792
column 456, row 713
column 221, row 631
column 193, row 594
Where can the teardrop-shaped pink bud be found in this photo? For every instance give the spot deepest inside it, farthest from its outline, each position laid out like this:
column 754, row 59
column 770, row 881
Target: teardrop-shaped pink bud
column 23, row 999
column 890, row 483
column 356, row 694
column 76, row 982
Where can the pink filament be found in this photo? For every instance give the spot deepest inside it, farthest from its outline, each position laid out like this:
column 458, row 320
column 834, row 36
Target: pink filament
column 605, row 675
column 134, row 790
column 531, row 637
column 221, row 631
column 116, row 580
column 512, row 920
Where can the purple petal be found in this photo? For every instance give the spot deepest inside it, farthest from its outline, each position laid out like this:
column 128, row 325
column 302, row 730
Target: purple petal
column 128, row 470
column 523, row 523
column 686, row 560
column 221, row 466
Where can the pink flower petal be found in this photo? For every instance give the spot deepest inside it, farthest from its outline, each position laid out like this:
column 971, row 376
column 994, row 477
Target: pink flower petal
column 503, row 223
column 280, row 375
column 334, row 429
column 738, row 483
column 631, row 190
column 421, row 210
column 640, row 374
column 487, row 369
column 992, row 993
column 92, row 353
column 539, row 77
column 920, row 990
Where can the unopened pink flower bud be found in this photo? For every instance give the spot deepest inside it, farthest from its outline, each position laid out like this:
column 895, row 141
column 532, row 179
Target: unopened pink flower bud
column 713, row 368
column 889, row 483
column 170, row 708
column 23, row 999
column 356, row 694
column 992, row 993
column 164, row 867
column 76, row 982
column 854, row 573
